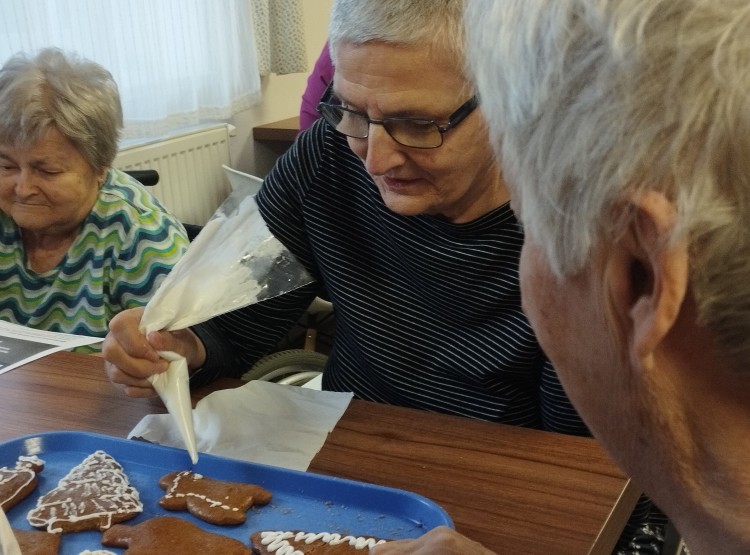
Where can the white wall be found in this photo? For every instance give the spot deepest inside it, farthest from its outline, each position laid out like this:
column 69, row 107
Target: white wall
column 282, row 95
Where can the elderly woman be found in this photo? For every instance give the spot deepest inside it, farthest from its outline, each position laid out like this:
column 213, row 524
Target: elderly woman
column 79, row 240
column 393, row 200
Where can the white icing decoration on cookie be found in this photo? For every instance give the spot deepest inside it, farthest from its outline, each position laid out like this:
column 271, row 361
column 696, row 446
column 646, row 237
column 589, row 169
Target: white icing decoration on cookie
column 103, row 490
column 278, row 542
column 212, row 502
column 23, row 471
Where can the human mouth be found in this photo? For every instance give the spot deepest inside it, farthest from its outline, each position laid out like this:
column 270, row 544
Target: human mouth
column 396, row 184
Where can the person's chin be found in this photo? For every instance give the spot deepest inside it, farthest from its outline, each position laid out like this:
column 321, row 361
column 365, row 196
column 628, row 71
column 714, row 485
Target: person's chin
column 406, row 202
column 33, row 220
column 405, row 206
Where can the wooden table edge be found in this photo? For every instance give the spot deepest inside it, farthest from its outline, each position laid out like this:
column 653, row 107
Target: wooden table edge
column 284, row 130
column 616, row 521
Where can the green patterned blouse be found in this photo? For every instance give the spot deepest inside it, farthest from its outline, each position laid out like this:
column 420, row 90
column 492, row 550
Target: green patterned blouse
column 126, row 246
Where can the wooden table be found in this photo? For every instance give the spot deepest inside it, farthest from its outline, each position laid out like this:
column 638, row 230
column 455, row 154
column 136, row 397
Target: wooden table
column 516, row 490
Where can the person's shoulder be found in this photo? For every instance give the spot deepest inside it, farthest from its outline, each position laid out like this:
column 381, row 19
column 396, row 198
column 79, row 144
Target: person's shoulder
column 318, row 159
column 123, row 201
column 122, row 192
column 321, row 144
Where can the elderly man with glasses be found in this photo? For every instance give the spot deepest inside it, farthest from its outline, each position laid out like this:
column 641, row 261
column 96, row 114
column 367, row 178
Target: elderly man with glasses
column 395, row 203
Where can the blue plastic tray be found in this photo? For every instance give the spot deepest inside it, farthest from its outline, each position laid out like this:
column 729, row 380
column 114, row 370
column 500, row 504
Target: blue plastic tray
column 301, row 501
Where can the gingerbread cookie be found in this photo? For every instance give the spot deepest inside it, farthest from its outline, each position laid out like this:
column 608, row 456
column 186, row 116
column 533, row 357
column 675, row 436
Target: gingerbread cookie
column 168, row 534
column 303, row 543
column 94, row 495
column 18, row 482
column 214, row 501
column 33, row 542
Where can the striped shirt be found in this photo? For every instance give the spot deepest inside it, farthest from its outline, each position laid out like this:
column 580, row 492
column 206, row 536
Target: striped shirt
column 126, row 246
column 427, row 312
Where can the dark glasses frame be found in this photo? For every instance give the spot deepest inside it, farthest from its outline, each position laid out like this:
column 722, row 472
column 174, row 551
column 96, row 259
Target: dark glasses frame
column 326, row 105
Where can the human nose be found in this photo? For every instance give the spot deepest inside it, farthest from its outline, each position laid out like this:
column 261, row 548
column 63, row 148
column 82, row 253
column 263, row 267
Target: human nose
column 24, row 183
column 383, row 152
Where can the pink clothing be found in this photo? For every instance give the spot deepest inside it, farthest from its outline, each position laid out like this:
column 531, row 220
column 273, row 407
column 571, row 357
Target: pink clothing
column 320, row 77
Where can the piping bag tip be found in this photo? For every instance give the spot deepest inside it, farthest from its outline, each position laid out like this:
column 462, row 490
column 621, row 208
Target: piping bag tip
column 173, row 386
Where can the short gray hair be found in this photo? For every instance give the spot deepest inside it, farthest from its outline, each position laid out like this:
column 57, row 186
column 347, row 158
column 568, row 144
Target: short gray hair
column 53, row 90
column 437, row 24
column 589, row 99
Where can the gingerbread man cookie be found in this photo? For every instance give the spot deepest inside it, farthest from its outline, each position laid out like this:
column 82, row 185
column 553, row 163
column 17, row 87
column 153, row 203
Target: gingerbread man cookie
column 214, row 501
column 18, row 482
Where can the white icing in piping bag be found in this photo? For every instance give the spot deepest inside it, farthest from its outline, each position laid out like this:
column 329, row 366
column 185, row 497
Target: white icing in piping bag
column 173, row 386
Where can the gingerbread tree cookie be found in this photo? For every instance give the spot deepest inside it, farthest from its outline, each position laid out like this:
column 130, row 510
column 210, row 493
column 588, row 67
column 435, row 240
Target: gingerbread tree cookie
column 279, row 542
column 94, row 495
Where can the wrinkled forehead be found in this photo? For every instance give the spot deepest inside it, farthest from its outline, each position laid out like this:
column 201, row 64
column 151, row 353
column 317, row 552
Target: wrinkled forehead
column 382, row 66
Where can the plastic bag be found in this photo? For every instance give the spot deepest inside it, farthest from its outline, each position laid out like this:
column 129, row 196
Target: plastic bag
column 234, row 261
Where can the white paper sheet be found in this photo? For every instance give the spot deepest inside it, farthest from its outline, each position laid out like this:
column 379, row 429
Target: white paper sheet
column 260, row 422
column 19, row 344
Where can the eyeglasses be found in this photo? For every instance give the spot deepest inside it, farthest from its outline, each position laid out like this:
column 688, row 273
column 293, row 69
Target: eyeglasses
column 411, row 132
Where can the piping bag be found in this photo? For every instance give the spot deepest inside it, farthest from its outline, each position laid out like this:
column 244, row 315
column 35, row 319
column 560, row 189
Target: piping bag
column 234, row 261
column 8, row 543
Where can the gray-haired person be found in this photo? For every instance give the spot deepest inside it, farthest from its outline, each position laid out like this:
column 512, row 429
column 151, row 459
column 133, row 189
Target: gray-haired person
column 80, row 241
column 623, row 127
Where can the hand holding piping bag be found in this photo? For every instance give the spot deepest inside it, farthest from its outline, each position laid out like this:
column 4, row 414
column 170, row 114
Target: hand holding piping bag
column 234, row 261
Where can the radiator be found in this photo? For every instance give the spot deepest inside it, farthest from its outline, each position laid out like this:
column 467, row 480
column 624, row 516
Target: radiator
column 192, row 183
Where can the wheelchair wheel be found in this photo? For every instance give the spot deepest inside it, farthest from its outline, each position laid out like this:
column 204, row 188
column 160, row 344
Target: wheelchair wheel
column 292, row 367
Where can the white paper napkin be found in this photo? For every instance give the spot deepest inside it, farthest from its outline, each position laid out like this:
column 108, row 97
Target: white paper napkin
column 260, row 422
column 8, row 543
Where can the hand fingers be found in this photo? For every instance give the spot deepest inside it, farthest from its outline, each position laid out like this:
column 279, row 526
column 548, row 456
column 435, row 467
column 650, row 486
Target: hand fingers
column 125, row 341
column 130, row 359
column 438, row 541
column 131, row 387
column 183, row 342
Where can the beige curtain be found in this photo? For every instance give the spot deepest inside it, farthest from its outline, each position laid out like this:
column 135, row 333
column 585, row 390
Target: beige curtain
column 279, row 36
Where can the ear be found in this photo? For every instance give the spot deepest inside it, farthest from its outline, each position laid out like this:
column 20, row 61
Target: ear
column 647, row 275
column 101, row 175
